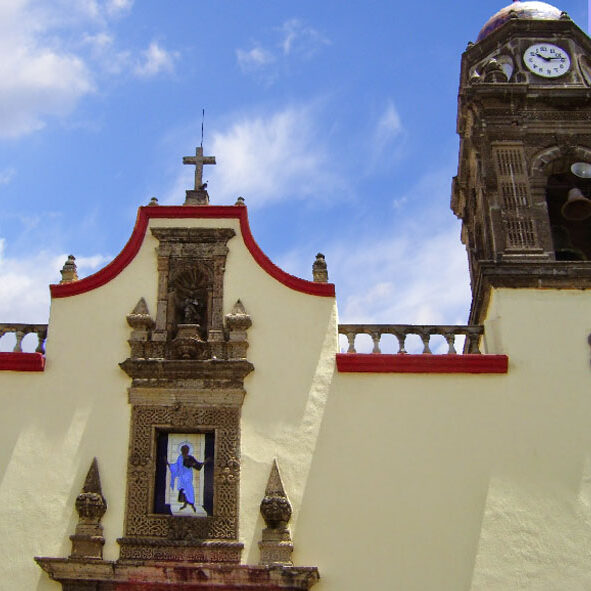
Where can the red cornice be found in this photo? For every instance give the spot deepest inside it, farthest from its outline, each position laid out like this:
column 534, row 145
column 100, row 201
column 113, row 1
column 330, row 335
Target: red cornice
column 405, row 363
column 22, row 362
column 183, row 212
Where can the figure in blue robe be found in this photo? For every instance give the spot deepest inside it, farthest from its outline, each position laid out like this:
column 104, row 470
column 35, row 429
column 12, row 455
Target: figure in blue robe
column 183, row 470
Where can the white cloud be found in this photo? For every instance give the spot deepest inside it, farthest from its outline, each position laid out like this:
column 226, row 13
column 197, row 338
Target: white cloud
column 39, row 78
column 24, row 280
column 270, row 158
column 298, row 38
column 295, row 39
column 254, row 58
column 388, row 126
column 119, row 7
column 6, row 175
column 156, row 60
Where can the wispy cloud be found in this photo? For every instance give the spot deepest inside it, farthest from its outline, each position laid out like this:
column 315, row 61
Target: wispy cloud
column 298, row 38
column 272, row 157
column 6, row 175
column 156, row 60
column 119, row 7
column 388, row 126
column 254, row 58
column 293, row 39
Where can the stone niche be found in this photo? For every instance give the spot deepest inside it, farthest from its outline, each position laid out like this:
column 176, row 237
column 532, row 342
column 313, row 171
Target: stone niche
column 187, row 367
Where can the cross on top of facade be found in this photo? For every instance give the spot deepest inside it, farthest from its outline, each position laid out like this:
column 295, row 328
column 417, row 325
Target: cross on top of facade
column 199, row 160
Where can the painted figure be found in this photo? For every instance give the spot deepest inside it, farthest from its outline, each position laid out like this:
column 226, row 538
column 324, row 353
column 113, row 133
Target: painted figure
column 183, row 470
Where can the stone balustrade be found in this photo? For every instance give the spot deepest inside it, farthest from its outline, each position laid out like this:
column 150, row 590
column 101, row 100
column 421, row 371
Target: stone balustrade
column 21, row 331
column 472, row 335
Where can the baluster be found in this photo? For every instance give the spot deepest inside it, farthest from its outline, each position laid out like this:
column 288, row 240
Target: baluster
column 425, row 337
column 19, row 338
column 450, row 337
column 473, row 340
column 401, row 338
column 351, row 338
column 40, row 342
column 375, row 337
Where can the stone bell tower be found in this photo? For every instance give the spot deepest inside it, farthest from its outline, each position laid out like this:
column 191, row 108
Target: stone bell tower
column 524, row 174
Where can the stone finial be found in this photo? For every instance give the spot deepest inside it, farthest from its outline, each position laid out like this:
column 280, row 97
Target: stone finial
column 88, row 541
column 140, row 320
column 276, row 545
column 320, row 269
column 240, row 201
column 153, row 202
column 69, row 271
column 237, row 323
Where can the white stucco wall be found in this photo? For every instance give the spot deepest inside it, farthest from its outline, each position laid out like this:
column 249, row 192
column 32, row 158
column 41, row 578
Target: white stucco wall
column 413, row 482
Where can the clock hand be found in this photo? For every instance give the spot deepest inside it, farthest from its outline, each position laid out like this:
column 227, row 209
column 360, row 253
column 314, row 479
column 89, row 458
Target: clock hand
column 547, row 59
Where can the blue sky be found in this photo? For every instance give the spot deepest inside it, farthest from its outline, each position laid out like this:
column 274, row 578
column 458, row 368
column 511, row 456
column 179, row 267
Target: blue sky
column 335, row 120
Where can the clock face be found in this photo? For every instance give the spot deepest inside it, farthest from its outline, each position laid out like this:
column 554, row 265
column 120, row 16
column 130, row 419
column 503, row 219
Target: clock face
column 547, row 60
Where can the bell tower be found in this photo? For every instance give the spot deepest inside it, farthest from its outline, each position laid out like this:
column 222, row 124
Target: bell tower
column 524, row 174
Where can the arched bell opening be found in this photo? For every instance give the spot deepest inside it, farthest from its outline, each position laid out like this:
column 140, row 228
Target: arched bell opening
column 568, row 199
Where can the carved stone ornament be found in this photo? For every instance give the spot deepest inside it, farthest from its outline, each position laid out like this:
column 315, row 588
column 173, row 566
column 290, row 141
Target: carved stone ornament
column 276, row 546
column 187, row 367
column 88, row 541
column 320, row 269
column 69, row 271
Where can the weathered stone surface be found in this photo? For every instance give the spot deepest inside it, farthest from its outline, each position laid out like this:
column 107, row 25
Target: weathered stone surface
column 143, row 576
column 276, row 546
column 88, row 541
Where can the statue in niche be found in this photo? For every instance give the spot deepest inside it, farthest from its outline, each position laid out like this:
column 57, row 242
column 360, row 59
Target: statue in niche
column 193, row 309
column 190, row 289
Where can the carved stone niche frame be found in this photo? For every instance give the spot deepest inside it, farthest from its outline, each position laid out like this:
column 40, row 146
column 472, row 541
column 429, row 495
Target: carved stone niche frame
column 187, row 369
column 154, row 536
column 191, row 264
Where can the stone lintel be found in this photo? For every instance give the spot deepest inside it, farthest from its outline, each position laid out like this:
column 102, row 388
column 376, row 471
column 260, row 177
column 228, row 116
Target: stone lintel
column 103, row 575
column 525, row 274
column 222, row 370
column 193, row 236
column 193, row 393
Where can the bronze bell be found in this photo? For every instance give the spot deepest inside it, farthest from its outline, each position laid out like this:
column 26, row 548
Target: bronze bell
column 577, row 206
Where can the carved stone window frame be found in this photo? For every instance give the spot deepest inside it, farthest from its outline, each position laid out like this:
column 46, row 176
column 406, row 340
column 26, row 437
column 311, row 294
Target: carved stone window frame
column 150, row 535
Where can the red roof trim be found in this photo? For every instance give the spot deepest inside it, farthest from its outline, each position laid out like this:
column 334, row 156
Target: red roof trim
column 132, row 247
column 405, row 363
column 22, row 362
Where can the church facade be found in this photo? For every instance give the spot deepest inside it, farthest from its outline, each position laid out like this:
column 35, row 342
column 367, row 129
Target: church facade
column 189, row 421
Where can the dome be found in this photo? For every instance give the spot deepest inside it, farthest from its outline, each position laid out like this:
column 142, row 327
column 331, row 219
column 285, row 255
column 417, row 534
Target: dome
column 526, row 10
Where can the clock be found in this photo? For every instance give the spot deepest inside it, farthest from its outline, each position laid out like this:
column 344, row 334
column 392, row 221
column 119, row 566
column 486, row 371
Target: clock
column 547, row 60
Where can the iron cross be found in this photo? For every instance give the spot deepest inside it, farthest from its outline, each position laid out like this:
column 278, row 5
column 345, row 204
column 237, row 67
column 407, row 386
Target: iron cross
column 198, row 160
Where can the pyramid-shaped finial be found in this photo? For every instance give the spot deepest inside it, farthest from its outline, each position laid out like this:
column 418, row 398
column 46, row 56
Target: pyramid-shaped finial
column 276, row 546
column 88, row 540
column 275, row 484
column 92, row 483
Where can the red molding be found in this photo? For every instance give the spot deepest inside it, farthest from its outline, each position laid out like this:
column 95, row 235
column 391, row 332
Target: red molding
column 405, row 363
column 22, row 362
column 132, row 247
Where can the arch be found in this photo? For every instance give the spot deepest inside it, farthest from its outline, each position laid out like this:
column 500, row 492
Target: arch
column 132, row 247
column 556, row 154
